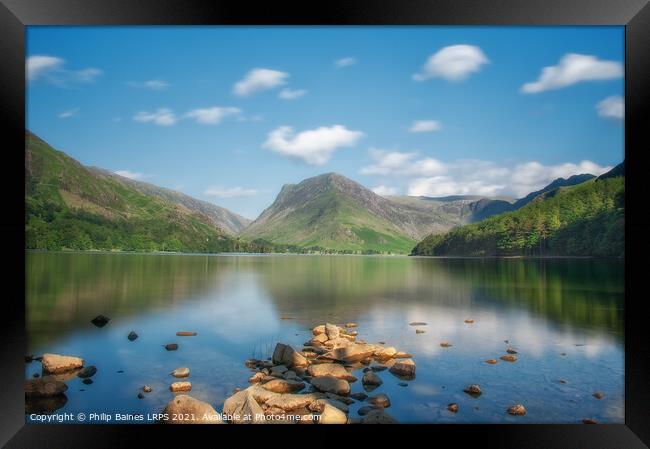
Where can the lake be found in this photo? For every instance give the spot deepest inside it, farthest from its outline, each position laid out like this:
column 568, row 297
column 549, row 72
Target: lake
column 564, row 316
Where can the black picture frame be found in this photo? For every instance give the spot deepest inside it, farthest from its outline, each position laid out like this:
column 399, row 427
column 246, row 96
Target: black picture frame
column 15, row 15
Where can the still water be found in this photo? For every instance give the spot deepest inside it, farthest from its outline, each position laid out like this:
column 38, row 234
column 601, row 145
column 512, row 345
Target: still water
column 564, row 316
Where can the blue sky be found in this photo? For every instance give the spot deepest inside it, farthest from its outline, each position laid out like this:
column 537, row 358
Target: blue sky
column 230, row 114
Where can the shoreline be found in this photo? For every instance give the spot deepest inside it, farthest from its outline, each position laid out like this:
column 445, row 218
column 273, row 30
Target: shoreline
column 239, row 254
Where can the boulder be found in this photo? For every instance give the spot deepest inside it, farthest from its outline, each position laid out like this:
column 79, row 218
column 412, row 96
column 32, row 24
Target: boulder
column 469, row 321
column 318, row 330
column 491, row 361
column 589, row 421
column 453, row 407
column 378, row 416
column 473, row 389
column 332, row 415
column 363, row 411
column 509, row 358
column 417, row 323
column 317, row 340
column 55, row 364
column 380, row 400
column 331, row 384
column 147, row 389
column 44, row 387
column 332, row 331
column 359, row 396
column 349, row 325
column 283, row 386
column 278, row 371
column 420, row 331
column 445, row 344
column 171, row 346
column 100, row 320
column 290, row 375
column 402, row 355
column 285, row 354
column 330, row 369
column 598, row 395
column 318, row 405
column 257, row 377
column 87, row 381
column 403, row 368
column 289, row 401
column 186, row 334
column 370, row 378
column 86, row 372
column 386, row 353
column 343, row 399
column 132, row 336
column 180, row 386
column 181, row 372
column 351, row 353
column 184, row 405
column 242, row 408
column 517, row 410
column 511, row 351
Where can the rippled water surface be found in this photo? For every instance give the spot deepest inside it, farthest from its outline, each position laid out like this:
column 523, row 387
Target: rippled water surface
column 564, row 316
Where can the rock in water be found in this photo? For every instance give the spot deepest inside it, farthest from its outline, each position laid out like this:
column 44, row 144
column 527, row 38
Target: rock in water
column 184, row 405
column 370, row 378
column 186, row 334
column 180, row 386
column 417, row 323
column 283, row 386
column 45, row 405
column 44, row 387
column 87, row 381
column 378, row 416
column 278, row 371
column 181, row 372
column 599, row 395
column 363, row 411
column 171, row 346
column 445, row 344
column 285, row 354
column 331, row 384
column 318, row 330
column 100, row 320
column 517, row 410
column 473, row 390
column 491, row 361
column 453, row 407
column 420, row 331
column 469, row 321
column 332, row 415
column 140, row 396
column 381, row 400
column 511, row 350
column 330, row 369
column 55, row 364
column 352, row 353
column 241, row 406
column 132, row 336
column 403, row 368
column 257, row 377
column 88, row 371
column 359, row 396
column 332, row 331
column 509, row 358
column 147, row 389
column 589, row 421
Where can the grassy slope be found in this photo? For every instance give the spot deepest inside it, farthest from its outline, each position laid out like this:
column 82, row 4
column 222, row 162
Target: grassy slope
column 582, row 220
column 332, row 221
column 69, row 207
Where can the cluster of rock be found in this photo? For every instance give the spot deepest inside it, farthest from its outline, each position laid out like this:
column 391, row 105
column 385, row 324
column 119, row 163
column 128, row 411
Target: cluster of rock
column 312, row 385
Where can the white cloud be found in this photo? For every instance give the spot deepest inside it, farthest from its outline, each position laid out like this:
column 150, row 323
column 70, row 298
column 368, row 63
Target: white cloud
column 150, row 84
column 160, row 117
column 314, row 146
column 258, row 80
column 212, row 116
column 38, row 65
column 345, row 62
column 291, row 94
column 395, row 163
column 424, row 126
column 385, row 190
column 69, row 113
column 574, row 68
column 130, row 174
column 427, row 176
column 51, row 69
column 453, row 63
column 476, row 177
column 612, row 107
column 230, row 192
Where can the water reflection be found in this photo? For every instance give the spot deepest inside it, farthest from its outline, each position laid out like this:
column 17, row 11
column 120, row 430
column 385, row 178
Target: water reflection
column 564, row 316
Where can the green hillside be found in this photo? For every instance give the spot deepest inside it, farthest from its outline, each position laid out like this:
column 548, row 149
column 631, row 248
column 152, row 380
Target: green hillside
column 582, row 220
column 68, row 206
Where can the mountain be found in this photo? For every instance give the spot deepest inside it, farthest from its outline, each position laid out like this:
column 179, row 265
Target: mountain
column 230, row 222
column 71, row 206
column 334, row 212
column 586, row 219
column 559, row 182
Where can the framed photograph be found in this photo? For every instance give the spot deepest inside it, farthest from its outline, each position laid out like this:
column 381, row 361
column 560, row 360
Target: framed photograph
column 426, row 215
